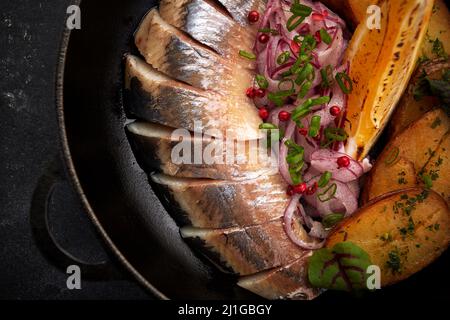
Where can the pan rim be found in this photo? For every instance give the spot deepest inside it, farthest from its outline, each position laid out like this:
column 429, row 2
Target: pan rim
column 72, row 172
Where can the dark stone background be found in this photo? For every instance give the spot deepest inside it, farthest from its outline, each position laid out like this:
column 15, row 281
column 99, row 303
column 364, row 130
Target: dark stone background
column 30, row 34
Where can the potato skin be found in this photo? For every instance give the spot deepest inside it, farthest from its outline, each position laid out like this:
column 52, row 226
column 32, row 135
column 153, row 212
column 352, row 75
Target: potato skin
column 409, row 109
column 386, row 231
column 415, row 147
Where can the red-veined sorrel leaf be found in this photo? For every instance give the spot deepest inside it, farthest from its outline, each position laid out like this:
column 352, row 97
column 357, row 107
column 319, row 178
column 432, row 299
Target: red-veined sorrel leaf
column 341, row 268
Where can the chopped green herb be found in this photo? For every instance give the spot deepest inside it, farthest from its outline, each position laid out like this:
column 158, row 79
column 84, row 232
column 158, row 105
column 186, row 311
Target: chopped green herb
column 436, row 123
column 386, row 237
column 247, row 55
column 262, row 81
column 283, row 57
column 328, row 194
column 268, row 30
column 314, row 127
column 332, row 219
column 327, row 76
column 345, row 82
column 279, row 97
column 325, row 36
column 394, row 262
column 438, row 49
column 324, row 179
column 392, row 155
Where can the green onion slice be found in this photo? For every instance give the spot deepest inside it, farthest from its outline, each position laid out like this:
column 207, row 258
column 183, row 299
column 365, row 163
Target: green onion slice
column 327, row 76
column 392, row 156
column 314, row 127
column 300, row 9
column 324, row 179
column 262, row 81
column 325, row 36
column 268, row 30
column 305, row 73
column 278, row 97
column 304, row 89
column 267, row 126
column 344, row 82
column 282, row 86
column 247, row 55
column 328, row 194
column 332, row 219
column 293, row 22
column 283, row 57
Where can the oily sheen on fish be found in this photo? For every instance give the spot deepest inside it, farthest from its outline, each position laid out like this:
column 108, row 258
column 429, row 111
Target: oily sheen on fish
column 245, row 251
column 155, row 146
column 207, row 23
column 177, row 55
column 214, row 204
column 154, row 97
column 289, row 282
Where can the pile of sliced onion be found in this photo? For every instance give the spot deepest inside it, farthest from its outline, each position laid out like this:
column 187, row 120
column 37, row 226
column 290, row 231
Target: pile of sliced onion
column 317, row 158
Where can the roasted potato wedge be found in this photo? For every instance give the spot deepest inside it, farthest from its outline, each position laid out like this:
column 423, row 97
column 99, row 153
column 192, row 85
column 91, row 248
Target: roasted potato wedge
column 353, row 11
column 437, row 29
column 392, row 51
column 412, row 149
column 402, row 232
column 411, row 109
column 438, row 169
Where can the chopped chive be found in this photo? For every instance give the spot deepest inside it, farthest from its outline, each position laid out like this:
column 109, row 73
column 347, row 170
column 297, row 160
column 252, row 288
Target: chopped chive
column 300, row 9
column 304, row 89
column 283, row 57
column 267, row 126
column 308, row 43
column 328, row 194
column 278, row 97
column 304, row 73
column 428, row 181
column 247, row 55
column 319, row 101
column 268, row 30
column 291, row 87
column 324, row 179
column 392, row 156
column 314, row 127
column 332, row 219
column 262, row 81
column 293, row 22
column 327, row 75
column 344, row 82
column 336, row 134
column 325, row 36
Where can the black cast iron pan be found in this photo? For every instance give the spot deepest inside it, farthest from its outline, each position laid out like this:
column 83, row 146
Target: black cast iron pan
column 115, row 191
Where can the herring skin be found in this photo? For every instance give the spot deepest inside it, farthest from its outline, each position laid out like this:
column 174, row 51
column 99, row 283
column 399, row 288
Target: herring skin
column 154, row 97
column 153, row 145
column 207, row 23
column 215, row 204
column 245, row 251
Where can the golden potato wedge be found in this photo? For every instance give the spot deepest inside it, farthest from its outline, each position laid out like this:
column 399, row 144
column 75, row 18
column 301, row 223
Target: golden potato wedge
column 437, row 29
column 352, row 11
column 402, row 232
column 390, row 53
column 438, row 169
column 409, row 108
column 401, row 175
column 416, row 144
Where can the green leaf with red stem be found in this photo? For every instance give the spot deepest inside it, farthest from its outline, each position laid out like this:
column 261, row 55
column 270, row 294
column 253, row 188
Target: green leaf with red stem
column 341, row 268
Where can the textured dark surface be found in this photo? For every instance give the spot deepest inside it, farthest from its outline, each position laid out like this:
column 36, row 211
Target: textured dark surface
column 30, row 33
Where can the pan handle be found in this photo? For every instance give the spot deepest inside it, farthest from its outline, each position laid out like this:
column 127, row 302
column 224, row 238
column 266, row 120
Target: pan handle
column 46, row 241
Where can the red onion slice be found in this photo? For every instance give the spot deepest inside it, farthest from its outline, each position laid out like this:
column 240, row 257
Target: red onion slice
column 289, row 229
column 326, row 160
